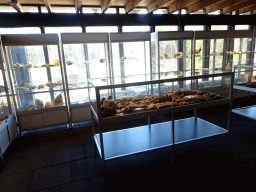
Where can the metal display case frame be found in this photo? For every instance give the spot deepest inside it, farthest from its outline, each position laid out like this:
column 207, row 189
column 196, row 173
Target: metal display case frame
column 35, row 119
column 80, row 38
column 116, row 141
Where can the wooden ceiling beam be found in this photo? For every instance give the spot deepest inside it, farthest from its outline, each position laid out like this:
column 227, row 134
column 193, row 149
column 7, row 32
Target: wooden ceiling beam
column 48, row 5
column 239, row 5
column 131, row 5
column 16, row 5
column 221, row 5
column 158, row 4
column 181, row 4
column 78, row 6
column 105, row 5
column 245, row 10
column 201, row 5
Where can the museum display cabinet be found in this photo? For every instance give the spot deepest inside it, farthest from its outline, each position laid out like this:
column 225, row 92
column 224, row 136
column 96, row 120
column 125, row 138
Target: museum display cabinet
column 8, row 127
column 117, row 103
column 209, row 49
column 238, row 49
column 85, row 56
column 36, row 80
column 129, row 55
column 245, row 81
column 171, row 53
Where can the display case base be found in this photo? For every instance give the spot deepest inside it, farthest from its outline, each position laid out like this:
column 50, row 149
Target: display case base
column 139, row 139
column 249, row 111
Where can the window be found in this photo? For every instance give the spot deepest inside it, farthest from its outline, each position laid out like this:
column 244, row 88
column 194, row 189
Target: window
column 139, row 11
column 91, row 10
column 30, row 9
column 198, row 12
column 110, row 10
column 167, row 28
column 20, row 30
column 160, row 11
column 63, row 29
column 241, row 27
column 219, row 27
column 136, row 28
column 101, row 29
column 214, row 12
column 194, row 28
column 63, row 10
column 7, row 9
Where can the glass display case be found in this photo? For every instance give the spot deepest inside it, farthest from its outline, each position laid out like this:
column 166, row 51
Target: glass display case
column 8, row 127
column 209, row 49
column 245, row 81
column 36, row 78
column 130, row 55
column 171, row 53
column 85, row 56
column 129, row 101
column 238, row 50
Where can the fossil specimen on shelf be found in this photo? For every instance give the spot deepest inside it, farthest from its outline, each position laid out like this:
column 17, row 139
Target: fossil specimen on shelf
column 101, row 60
column 56, row 62
column 28, row 66
column 58, row 101
column 41, row 86
column 39, row 104
column 228, row 68
column 69, row 62
column 48, row 105
column 178, row 73
column 198, row 50
column 32, row 87
column 87, row 62
column 49, row 84
column 18, row 66
column 179, row 54
column 213, row 53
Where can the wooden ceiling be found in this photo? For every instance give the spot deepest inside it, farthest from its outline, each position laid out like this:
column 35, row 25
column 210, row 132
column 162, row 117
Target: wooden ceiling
column 208, row 6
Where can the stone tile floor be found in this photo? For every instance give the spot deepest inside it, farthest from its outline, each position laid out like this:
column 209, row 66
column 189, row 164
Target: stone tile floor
column 67, row 160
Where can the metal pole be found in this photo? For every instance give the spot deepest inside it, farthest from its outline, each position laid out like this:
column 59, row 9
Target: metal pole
column 64, row 78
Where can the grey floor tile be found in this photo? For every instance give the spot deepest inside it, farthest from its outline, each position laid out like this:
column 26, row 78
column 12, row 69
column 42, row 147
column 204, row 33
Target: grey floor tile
column 29, row 162
column 91, row 150
column 51, row 176
column 68, row 154
column 77, row 186
column 17, row 182
column 98, row 183
column 85, row 168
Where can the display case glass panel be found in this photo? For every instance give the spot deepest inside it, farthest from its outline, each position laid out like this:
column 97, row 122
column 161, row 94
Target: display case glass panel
column 85, row 57
column 35, row 72
column 130, row 55
column 209, row 48
column 6, row 98
column 239, row 47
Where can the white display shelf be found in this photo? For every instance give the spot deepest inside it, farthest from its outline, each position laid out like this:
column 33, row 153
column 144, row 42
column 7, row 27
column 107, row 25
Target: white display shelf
column 135, row 140
column 249, row 111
